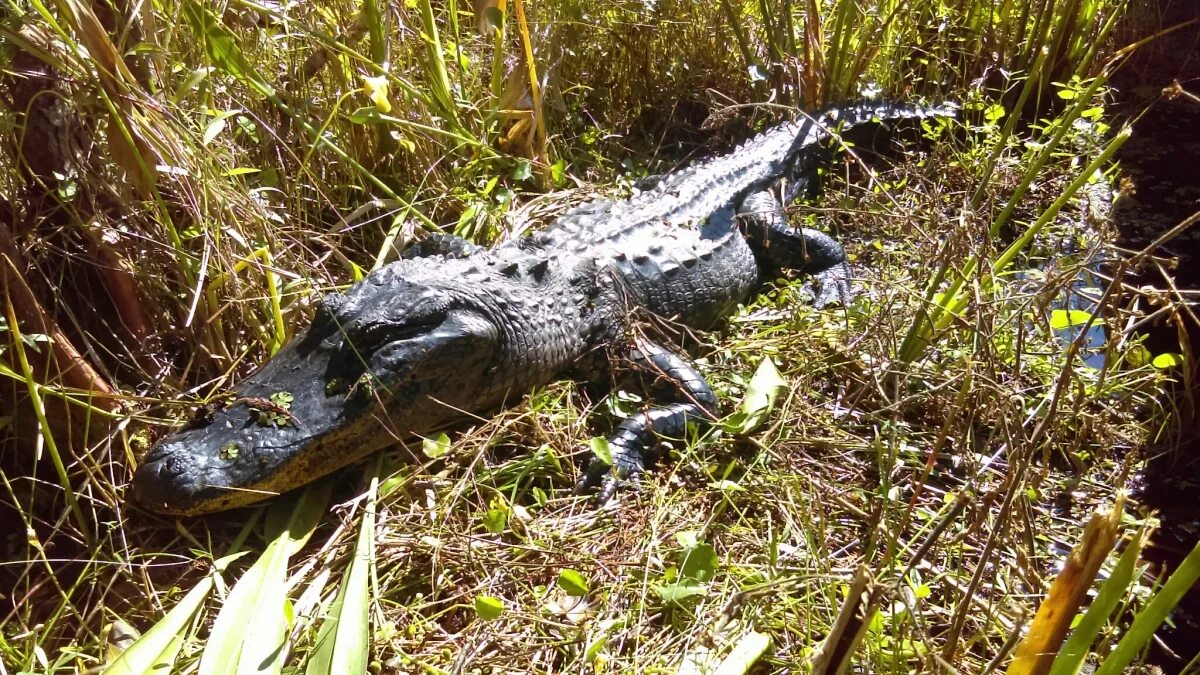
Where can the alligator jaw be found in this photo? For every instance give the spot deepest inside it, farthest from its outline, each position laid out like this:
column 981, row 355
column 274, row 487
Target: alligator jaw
column 234, row 461
column 255, row 448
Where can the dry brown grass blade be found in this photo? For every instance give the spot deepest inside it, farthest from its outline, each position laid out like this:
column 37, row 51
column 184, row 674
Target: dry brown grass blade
column 812, row 74
column 516, row 103
column 62, row 357
column 849, row 627
column 126, row 141
column 317, row 61
column 1037, row 651
column 535, row 90
column 119, row 276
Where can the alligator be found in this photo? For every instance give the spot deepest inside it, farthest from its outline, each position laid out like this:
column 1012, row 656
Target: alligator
column 452, row 331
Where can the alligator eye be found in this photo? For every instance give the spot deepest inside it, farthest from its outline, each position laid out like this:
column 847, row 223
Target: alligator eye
column 371, row 337
column 390, row 320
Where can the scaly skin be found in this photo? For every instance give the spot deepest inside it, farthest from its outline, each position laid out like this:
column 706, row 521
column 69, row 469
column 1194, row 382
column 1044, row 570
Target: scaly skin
column 426, row 342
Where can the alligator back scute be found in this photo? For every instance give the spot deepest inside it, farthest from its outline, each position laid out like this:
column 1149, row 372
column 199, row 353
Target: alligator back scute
column 692, row 275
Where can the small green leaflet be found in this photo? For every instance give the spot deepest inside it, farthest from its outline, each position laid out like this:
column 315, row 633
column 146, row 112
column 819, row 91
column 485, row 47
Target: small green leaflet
column 761, row 394
column 675, row 593
column 523, row 170
column 599, row 445
column 1065, row 318
column 1167, row 360
column 699, row 562
column 435, row 447
column 488, row 608
column 573, row 583
column 495, row 520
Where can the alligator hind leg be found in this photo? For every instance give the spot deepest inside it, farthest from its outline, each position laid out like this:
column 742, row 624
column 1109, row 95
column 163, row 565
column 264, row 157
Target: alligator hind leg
column 441, row 243
column 631, row 443
column 779, row 245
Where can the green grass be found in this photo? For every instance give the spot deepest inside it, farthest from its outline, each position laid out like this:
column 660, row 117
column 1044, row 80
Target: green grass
column 237, row 162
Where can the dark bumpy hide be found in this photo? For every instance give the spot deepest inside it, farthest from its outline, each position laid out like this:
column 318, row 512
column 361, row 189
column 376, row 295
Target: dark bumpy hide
column 460, row 330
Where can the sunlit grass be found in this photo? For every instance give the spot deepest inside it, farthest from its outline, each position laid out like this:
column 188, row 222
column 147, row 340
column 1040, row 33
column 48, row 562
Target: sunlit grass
column 238, row 161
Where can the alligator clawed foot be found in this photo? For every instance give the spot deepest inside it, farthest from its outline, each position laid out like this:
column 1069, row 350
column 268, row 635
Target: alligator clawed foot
column 604, row 480
column 833, row 287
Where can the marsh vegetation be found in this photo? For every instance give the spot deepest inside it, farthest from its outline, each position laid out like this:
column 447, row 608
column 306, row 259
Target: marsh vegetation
column 181, row 179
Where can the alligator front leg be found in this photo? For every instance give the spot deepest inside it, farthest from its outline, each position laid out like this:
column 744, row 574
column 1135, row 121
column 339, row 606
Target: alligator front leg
column 630, row 444
column 779, row 245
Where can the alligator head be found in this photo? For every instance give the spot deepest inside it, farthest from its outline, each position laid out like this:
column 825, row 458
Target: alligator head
column 402, row 353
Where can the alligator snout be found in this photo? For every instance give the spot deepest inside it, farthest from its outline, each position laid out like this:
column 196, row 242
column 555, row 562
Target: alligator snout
column 171, row 479
column 166, row 474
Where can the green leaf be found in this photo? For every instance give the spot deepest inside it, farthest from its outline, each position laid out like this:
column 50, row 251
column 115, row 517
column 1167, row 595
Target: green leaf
column 1167, row 360
column 466, row 218
column 558, row 173
column 213, row 130
column 342, row 640
column 601, row 449
column 250, row 632
column 240, row 171
column 488, row 608
column 573, row 583
column 364, row 115
column 156, row 650
column 748, row 650
column 1065, row 318
column 523, row 170
column 495, row 520
column 699, row 562
column 761, row 394
column 1138, row 356
column 436, row 447
column 677, row 592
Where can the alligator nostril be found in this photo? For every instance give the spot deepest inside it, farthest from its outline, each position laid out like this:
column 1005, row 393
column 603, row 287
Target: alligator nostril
column 173, row 466
column 164, row 462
